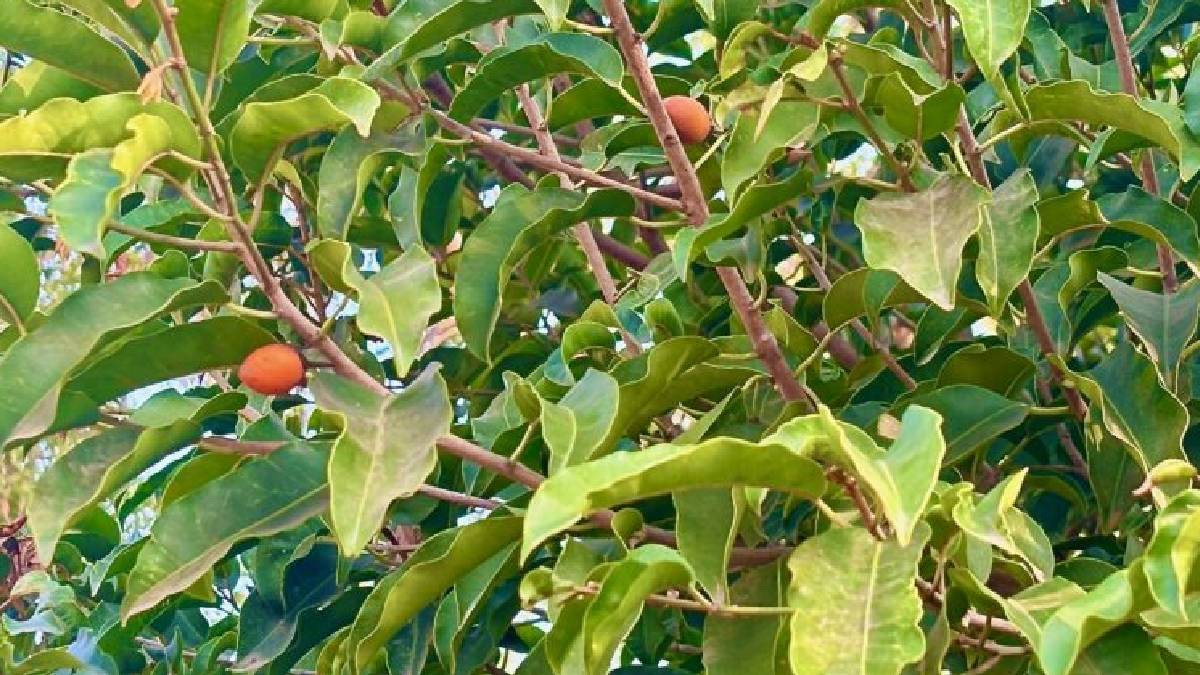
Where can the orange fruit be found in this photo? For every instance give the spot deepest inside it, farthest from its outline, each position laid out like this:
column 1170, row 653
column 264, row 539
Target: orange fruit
column 272, row 370
column 690, row 118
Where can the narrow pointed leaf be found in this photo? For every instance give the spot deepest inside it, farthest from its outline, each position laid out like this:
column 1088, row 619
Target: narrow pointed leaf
column 1008, row 234
column 1165, row 323
column 264, row 496
column 213, row 32
column 20, row 277
column 576, row 425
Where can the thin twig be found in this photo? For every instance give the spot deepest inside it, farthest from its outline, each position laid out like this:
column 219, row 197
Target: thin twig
column 696, row 206
column 177, row 242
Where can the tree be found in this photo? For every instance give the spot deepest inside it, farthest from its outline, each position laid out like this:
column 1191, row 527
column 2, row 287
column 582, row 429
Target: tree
column 538, row 336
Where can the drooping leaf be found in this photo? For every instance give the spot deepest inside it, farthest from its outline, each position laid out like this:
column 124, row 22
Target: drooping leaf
column 1173, row 551
column 1140, row 212
column 1165, row 323
column 971, row 416
column 993, row 30
column 1008, row 233
column 1082, row 621
column 610, row 616
column 265, row 127
column 995, row 519
column 213, row 32
column 438, row 564
column 371, row 464
column 749, row 151
column 345, row 169
column 425, row 24
column 20, row 277
column 861, row 589
column 504, row 69
column 577, row 424
column 723, row 16
column 97, row 179
column 66, row 42
column 920, row 236
column 264, row 496
column 706, row 522
column 35, row 368
column 519, row 221
column 750, row 644
column 865, row 291
column 395, row 303
column 580, row 490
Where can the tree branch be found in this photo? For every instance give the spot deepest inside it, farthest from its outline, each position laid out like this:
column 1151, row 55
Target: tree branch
column 696, row 206
column 1120, row 41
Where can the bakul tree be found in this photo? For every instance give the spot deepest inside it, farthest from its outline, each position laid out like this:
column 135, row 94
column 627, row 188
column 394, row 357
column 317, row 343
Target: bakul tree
column 575, row 337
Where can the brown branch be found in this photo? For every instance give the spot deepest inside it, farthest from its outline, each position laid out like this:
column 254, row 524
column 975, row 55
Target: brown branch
column 535, row 159
column 851, row 103
column 177, row 242
column 696, row 206
column 623, row 254
column 1120, row 41
column 850, row 484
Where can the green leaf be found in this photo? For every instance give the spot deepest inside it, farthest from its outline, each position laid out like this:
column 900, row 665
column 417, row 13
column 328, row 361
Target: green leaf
column 463, row 605
column 749, row 644
column 35, row 368
column 370, row 464
column 723, row 16
column 671, row 372
column 504, row 69
column 265, row 127
column 1173, row 551
column 995, row 519
column 1160, row 125
column 273, row 493
column 97, row 179
column 917, row 116
column 212, row 32
column 790, row 122
column 39, row 144
column 35, row 83
column 993, row 30
column 972, row 416
column 864, row 291
column 395, row 303
column 1155, row 218
column 706, row 523
column 1082, row 621
column 20, row 277
column 611, row 615
column 346, row 168
column 920, row 235
column 264, row 629
column 1128, row 391
column 425, row 24
column 45, row 663
column 861, row 590
column 1165, row 323
column 577, row 424
column 313, row 10
column 519, row 222
column 821, row 16
column 162, row 355
column 1084, row 265
column 93, row 470
column 65, row 42
column 580, row 490
column 901, row 478
column 441, row 561
column 1127, row 649
column 1008, row 234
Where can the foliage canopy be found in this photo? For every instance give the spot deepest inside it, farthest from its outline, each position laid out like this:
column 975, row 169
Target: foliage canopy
column 893, row 371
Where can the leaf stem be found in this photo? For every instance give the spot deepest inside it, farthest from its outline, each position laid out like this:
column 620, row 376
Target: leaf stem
column 178, row 242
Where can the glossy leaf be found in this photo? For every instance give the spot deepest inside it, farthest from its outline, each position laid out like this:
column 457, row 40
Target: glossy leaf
column 1008, row 234
column 369, row 455
column 395, row 303
column 1165, row 323
column 576, row 425
column 1173, row 551
column 35, row 368
column 993, row 30
column 274, row 493
column 580, row 490
column 437, row 565
column 519, row 221
column 212, row 32
column 750, row 149
column 20, row 277
column 66, row 42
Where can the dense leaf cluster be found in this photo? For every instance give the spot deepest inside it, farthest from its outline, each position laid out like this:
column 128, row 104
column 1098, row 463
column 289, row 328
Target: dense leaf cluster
column 892, row 372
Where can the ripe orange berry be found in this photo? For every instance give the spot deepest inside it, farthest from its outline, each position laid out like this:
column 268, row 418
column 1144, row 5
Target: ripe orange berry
column 690, row 118
column 272, row 369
